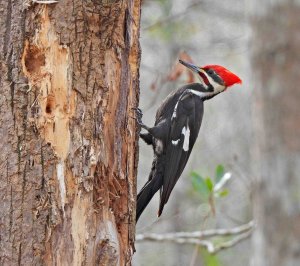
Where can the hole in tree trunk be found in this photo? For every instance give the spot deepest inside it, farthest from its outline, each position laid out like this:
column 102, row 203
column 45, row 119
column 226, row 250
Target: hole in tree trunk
column 34, row 59
column 50, row 105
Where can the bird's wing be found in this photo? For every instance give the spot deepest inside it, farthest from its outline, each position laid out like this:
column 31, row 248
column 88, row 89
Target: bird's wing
column 185, row 125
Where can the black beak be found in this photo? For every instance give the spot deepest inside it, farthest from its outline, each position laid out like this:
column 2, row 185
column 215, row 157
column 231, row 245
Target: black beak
column 190, row 66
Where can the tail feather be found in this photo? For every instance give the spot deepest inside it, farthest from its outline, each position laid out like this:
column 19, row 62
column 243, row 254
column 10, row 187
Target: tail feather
column 146, row 194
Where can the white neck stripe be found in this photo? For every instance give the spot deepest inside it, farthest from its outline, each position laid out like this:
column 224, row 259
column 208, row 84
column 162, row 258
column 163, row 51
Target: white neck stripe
column 201, row 94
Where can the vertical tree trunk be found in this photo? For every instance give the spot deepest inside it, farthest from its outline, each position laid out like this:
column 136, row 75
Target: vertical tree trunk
column 68, row 78
column 275, row 64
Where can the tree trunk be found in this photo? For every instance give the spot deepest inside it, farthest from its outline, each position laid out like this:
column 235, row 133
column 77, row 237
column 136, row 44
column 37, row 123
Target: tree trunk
column 275, row 64
column 69, row 76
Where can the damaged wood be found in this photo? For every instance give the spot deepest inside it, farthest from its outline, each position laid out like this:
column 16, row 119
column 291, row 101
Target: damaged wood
column 69, row 144
column 48, row 68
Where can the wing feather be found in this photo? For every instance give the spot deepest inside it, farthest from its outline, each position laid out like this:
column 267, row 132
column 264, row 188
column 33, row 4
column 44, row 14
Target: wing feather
column 183, row 133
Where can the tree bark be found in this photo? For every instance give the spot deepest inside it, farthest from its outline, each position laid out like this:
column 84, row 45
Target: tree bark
column 275, row 66
column 69, row 76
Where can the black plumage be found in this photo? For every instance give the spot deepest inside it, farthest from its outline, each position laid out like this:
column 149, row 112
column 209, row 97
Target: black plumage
column 176, row 128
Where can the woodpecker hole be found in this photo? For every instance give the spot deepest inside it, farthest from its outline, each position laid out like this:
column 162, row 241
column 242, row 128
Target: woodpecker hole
column 50, row 105
column 48, row 109
column 33, row 59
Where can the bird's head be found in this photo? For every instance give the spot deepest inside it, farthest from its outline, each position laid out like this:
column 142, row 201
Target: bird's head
column 214, row 78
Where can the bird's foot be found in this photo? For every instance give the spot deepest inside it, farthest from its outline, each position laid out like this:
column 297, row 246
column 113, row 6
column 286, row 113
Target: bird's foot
column 139, row 116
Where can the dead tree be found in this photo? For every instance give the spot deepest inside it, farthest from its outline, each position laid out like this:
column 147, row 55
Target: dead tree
column 69, row 77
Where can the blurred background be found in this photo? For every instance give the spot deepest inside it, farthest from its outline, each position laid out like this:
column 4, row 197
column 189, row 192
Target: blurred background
column 251, row 130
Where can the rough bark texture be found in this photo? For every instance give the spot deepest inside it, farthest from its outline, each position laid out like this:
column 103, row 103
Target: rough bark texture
column 68, row 79
column 275, row 64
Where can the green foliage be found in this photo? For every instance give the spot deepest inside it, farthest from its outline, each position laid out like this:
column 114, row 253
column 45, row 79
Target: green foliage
column 219, row 173
column 199, row 185
column 222, row 193
column 209, row 259
column 205, row 186
column 209, row 184
column 206, row 189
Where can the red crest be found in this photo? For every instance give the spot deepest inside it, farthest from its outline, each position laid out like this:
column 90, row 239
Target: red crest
column 228, row 77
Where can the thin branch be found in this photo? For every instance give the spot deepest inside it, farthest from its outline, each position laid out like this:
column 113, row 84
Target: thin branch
column 239, row 234
column 209, row 245
column 232, row 242
column 197, row 234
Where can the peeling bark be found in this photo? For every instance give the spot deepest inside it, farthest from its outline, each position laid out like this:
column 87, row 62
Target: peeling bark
column 69, row 78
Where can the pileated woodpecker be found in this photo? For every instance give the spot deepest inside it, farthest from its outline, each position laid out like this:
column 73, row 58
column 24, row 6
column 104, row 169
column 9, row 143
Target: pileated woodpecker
column 176, row 128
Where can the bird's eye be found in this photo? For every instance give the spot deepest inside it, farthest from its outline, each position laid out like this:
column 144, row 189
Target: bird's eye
column 210, row 72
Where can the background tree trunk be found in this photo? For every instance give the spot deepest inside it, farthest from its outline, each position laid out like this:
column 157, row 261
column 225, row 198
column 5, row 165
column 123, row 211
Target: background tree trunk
column 275, row 64
column 69, row 78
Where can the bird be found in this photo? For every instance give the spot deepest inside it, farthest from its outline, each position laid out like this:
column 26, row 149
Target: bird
column 176, row 128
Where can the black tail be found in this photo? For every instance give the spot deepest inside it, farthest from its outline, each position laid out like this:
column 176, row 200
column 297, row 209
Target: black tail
column 146, row 194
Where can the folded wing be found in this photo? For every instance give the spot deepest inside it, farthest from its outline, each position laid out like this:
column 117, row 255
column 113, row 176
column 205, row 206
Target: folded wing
column 185, row 125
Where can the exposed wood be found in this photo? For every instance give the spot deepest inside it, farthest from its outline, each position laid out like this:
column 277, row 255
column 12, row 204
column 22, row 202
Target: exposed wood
column 69, row 77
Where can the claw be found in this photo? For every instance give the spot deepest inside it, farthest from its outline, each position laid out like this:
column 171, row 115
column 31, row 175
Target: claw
column 138, row 118
column 135, row 108
column 139, row 113
column 138, row 110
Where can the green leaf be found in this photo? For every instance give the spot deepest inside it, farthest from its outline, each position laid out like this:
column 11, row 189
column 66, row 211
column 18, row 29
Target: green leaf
column 199, row 184
column 222, row 193
column 209, row 184
column 220, row 171
column 209, row 259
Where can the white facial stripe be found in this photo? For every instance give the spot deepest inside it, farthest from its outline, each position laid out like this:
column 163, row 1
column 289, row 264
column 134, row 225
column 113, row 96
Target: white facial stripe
column 217, row 87
column 202, row 82
column 186, row 132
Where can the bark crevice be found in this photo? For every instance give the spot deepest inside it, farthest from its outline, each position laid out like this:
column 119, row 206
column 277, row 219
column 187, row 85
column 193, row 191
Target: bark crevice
column 71, row 151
